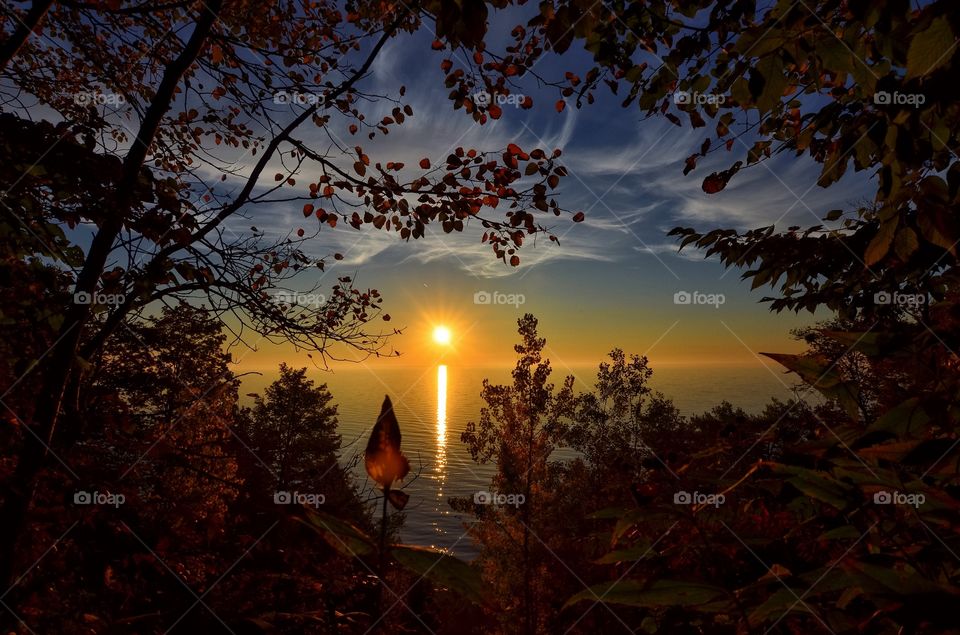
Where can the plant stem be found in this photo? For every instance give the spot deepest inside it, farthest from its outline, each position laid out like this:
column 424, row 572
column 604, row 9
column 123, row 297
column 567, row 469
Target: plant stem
column 383, row 551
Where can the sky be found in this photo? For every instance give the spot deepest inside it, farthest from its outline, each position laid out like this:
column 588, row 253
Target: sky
column 612, row 280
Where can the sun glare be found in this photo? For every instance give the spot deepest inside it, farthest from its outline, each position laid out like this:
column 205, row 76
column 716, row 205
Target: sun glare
column 441, row 335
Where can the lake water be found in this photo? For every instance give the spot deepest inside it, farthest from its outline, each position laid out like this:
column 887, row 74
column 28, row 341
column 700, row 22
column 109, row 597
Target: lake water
column 434, row 404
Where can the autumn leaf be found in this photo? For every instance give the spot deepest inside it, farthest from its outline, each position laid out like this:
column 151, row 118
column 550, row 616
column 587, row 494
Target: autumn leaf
column 425, row 164
column 383, row 459
column 928, row 50
column 714, row 183
column 398, row 499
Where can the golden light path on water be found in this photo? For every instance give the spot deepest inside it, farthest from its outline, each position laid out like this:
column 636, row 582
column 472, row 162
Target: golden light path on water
column 441, row 465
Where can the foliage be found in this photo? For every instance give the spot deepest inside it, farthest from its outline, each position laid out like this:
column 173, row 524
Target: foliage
column 292, row 432
column 518, row 430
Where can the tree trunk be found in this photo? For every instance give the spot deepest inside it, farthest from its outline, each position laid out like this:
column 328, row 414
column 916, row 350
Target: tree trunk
column 22, row 32
column 19, row 492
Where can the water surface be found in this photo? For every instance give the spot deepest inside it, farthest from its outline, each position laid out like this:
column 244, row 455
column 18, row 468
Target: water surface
column 433, row 405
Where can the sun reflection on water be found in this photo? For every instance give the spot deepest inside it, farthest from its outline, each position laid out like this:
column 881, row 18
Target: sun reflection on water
column 440, row 471
column 442, row 419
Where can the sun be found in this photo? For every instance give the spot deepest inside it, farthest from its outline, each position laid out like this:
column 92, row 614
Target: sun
column 441, row 335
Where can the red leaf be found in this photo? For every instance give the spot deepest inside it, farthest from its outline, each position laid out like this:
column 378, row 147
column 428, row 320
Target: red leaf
column 494, row 111
column 560, row 105
column 307, row 210
column 437, row 45
column 578, row 217
column 383, row 459
column 714, row 183
column 514, row 261
column 425, row 164
column 514, row 149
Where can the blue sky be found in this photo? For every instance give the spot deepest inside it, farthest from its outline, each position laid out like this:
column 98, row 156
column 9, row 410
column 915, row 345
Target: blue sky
column 617, row 271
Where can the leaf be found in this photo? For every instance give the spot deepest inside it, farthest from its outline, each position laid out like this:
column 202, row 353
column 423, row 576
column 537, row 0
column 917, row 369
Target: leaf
column 906, row 243
column 777, row 605
column 902, row 419
column 870, row 344
column 628, row 521
column 383, row 459
column 425, row 164
column 578, row 217
column 661, row 593
column 442, row 569
column 630, row 554
column 894, row 452
column 815, row 484
column 560, row 105
column 398, row 498
column 880, row 245
column 930, row 49
column 894, row 582
column 340, row 534
column 824, row 377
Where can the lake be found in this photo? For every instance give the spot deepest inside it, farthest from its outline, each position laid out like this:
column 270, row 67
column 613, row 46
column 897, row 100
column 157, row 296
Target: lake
column 434, row 404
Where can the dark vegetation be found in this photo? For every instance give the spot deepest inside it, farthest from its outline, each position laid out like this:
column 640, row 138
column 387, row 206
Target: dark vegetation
column 115, row 378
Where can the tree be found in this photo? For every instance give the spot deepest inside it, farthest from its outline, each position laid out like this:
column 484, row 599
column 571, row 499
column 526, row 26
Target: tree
column 143, row 436
column 158, row 217
column 519, row 428
column 292, row 432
